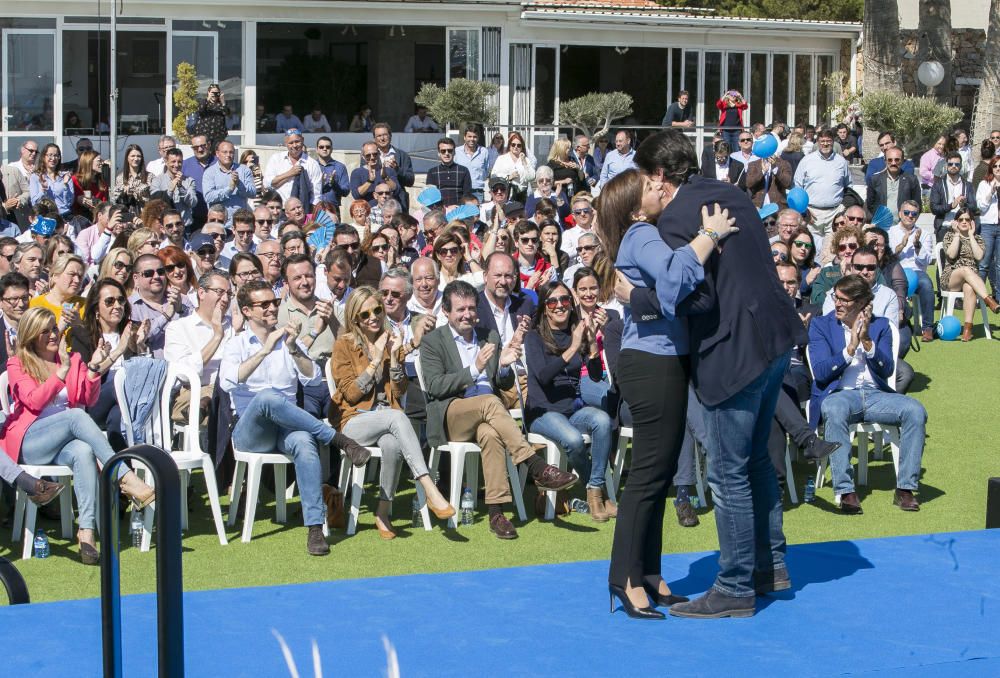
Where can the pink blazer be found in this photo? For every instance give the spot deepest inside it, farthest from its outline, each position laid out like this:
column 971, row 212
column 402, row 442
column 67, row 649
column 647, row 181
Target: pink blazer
column 30, row 398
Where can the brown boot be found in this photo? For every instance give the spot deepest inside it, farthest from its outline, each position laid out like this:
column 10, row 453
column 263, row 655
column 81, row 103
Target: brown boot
column 610, row 507
column 595, row 502
column 966, row 331
column 991, row 303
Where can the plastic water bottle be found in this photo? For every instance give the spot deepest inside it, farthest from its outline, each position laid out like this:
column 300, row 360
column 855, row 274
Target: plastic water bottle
column 467, row 503
column 418, row 518
column 810, row 493
column 578, row 505
column 135, row 528
column 41, row 544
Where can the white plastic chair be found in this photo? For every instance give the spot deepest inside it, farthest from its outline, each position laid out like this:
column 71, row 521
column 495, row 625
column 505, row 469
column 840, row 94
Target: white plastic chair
column 25, row 511
column 459, row 452
column 355, row 475
column 949, row 297
column 860, row 432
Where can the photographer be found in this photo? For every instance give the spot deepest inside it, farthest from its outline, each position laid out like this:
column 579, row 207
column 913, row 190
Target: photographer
column 212, row 114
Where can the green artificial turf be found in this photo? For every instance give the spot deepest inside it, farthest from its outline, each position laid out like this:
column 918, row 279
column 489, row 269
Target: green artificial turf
column 956, row 383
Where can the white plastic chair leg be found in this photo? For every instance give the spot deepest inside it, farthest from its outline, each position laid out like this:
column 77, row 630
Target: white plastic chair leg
column 472, row 477
column 235, row 491
column 20, row 503
column 185, row 482
column 280, row 499
column 66, row 510
column 30, row 515
column 208, row 472
column 425, row 513
column 148, row 514
column 357, row 486
column 253, row 489
column 457, row 473
column 512, row 473
column 619, row 468
column 986, row 319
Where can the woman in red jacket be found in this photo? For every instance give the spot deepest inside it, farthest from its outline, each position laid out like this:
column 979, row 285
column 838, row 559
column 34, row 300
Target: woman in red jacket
column 49, row 424
column 731, row 107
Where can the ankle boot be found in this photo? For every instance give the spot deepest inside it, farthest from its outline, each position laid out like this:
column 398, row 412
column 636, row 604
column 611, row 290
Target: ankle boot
column 141, row 494
column 610, row 507
column 595, row 502
column 966, row 331
column 992, row 304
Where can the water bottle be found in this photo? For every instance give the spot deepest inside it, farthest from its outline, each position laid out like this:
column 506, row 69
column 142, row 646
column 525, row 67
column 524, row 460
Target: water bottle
column 578, row 505
column 695, row 502
column 810, row 493
column 135, row 528
column 41, row 545
column 467, row 503
column 418, row 518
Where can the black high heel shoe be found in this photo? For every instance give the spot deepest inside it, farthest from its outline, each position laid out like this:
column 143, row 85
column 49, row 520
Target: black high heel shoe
column 659, row 598
column 630, row 609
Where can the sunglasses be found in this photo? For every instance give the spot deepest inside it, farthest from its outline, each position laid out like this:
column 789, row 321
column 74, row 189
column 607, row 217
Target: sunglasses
column 174, row 224
column 770, row 222
column 170, row 268
column 780, row 255
column 352, row 246
column 516, row 145
column 837, row 223
column 380, row 248
column 804, row 245
column 266, row 304
column 911, row 213
column 150, row 272
column 122, row 266
column 583, row 211
column 745, row 141
column 528, row 241
column 585, row 248
column 376, row 312
column 894, row 161
column 870, row 268
column 562, row 301
column 449, row 251
column 856, row 220
column 206, row 251
column 383, row 192
column 498, row 189
column 199, row 147
column 369, row 156
column 392, row 293
column 269, row 222
column 110, row 302
column 954, row 164
column 844, row 246
column 446, row 151
column 324, row 148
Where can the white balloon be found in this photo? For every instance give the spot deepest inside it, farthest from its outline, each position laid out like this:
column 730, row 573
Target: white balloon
column 930, row 73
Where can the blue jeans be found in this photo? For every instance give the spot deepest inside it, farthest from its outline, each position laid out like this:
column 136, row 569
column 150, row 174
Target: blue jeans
column 925, row 293
column 567, row 434
column 270, row 421
column 595, row 393
column 731, row 135
column 694, row 432
column 989, row 265
column 844, row 408
column 744, row 484
column 71, row 438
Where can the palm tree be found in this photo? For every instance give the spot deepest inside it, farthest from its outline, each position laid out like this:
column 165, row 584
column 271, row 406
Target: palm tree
column 881, row 55
column 985, row 117
column 935, row 38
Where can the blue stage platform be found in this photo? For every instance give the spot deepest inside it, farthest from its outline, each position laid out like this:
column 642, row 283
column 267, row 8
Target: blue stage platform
column 906, row 606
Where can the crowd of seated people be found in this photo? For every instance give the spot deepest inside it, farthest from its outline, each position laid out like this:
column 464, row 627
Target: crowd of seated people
column 223, row 266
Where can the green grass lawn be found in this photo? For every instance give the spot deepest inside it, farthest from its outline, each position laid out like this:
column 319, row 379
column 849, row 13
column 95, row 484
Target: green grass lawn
column 955, row 381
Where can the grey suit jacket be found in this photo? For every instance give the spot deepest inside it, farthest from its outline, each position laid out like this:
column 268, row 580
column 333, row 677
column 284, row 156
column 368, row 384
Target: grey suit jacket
column 17, row 186
column 445, row 378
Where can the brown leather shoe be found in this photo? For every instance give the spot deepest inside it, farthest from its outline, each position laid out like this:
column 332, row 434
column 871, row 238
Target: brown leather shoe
column 928, row 335
column 595, row 502
column 336, row 518
column 610, row 507
column 966, row 332
column 850, row 505
column 686, row 517
column 552, row 478
column 501, row 527
column 905, row 500
column 992, row 304
column 45, row 492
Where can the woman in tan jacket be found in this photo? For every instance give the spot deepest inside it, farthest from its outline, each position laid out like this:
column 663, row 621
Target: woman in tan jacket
column 370, row 381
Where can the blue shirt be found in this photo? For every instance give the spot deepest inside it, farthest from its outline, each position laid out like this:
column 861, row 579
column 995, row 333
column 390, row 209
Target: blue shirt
column 476, row 164
column 194, row 169
column 218, row 188
column 59, row 191
column 647, row 261
column 823, row 178
column 336, row 183
column 616, row 163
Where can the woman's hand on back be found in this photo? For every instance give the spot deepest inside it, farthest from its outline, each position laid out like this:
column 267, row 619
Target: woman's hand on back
column 718, row 222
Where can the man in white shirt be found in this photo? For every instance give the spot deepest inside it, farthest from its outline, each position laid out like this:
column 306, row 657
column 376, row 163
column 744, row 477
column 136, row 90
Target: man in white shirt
column 426, row 297
column 316, row 122
column 158, row 166
column 583, row 216
column 587, row 247
column 294, row 169
column 196, row 341
column 915, row 251
column 421, row 122
column 260, row 368
column 334, row 285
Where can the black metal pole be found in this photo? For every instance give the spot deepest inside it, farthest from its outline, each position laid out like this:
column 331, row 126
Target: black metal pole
column 169, row 579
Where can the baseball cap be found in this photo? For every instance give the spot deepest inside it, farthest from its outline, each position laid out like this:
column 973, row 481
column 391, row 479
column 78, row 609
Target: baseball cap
column 199, row 240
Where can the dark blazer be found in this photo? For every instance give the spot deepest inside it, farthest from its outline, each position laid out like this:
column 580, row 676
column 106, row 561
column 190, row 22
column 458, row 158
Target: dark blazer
column 826, row 356
column 941, row 205
column 519, row 305
column 3, row 345
column 778, row 188
column 740, row 319
column 588, row 170
column 736, row 172
column 446, row 379
column 909, row 189
column 406, row 177
column 369, row 272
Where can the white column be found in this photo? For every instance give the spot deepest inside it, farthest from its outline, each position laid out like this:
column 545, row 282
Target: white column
column 250, row 83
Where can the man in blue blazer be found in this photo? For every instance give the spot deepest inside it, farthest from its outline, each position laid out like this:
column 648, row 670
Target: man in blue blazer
column 742, row 329
column 852, row 361
column 499, row 307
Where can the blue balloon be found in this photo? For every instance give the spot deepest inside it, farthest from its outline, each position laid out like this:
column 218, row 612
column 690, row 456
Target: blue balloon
column 798, row 200
column 948, row 328
column 911, row 282
column 765, row 146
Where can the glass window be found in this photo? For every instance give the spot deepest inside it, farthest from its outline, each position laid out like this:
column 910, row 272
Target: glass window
column 545, row 85
column 824, row 95
column 201, row 43
column 713, row 82
column 463, row 53
column 30, row 81
column 734, row 72
column 691, row 78
column 803, row 91
column 758, row 91
column 675, row 75
column 779, row 90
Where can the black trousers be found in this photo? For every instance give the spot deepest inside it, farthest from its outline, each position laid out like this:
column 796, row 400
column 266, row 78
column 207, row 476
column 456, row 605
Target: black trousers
column 656, row 389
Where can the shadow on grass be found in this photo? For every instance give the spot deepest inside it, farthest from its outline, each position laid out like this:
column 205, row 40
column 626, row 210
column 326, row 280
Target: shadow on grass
column 920, row 383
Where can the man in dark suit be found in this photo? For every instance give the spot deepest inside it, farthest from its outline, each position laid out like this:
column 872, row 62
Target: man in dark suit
column 742, row 329
column 949, row 193
column 14, row 297
column 892, row 180
column 852, row 362
column 464, row 367
column 499, row 305
column 721, row 166
column 395, row 159
column 580, row 154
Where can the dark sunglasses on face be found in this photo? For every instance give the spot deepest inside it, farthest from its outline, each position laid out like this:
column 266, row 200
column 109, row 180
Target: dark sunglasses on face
column 446, row 151
column 844, row 246
column 266, row 304
column 324, row 148
column 528, row 241
column 109, row 302
column 380, row 248
column 856, row 220
column 770, row 222
column 585, row 210
column 745, row 141
column 269, row 222
column 383, row 192
column 150, row 272
column 395, row 294
column 365, row 315
column 170, row 268
column 122, row 266
column 563, row 301
column 780, row 255
column 352, row 246
column 206, row 251
column 803, row 244
column 585, row 248
column 174, row 224
column 369, row 156
column 515, row 145
column 911, row 213
column 954, row 164
column 449, row 251
column 864, row 267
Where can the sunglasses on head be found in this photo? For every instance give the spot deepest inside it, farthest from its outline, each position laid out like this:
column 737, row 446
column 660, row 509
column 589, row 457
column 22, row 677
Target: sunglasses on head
column 112, row 301
column 150, row 272
column 864, row 267
column 376, row 312
column 562, row 301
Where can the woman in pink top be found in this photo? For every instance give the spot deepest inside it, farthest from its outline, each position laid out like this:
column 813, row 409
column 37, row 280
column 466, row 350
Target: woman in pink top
column 51, row 388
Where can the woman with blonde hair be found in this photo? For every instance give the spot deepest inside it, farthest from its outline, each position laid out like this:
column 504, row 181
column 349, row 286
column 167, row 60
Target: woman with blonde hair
column 65, row 283
column 143, row 241
column 50, row 388
column 568, row 175
column 117, row 265
column 370, row 383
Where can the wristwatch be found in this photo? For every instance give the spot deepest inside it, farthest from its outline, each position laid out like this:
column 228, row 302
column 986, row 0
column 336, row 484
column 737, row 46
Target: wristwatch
column 711, row 234
column 313, row 333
